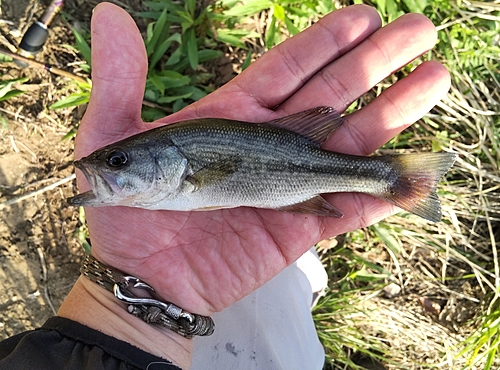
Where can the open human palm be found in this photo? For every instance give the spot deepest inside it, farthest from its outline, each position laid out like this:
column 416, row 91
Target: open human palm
column 204, row 261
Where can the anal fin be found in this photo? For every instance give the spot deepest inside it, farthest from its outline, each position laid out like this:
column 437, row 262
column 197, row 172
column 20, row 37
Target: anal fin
column 317, row 206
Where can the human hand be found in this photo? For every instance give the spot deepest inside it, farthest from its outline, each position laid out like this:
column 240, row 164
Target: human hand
column 204, row 261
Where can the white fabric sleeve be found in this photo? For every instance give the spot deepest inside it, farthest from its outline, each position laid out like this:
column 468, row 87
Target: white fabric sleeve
column 272, row 328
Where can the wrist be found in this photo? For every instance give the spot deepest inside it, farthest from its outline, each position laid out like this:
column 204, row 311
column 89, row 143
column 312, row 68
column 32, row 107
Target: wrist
column 93, row 306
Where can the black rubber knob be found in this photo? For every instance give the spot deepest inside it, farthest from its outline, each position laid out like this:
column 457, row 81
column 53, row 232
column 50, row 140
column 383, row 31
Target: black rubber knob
column 34, row 38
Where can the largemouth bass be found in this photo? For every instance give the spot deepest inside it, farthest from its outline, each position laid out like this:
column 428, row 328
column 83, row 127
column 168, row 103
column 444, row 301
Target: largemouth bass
column 214, row 163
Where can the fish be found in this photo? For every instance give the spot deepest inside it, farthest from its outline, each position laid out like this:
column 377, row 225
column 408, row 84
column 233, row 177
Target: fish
column 214, row 163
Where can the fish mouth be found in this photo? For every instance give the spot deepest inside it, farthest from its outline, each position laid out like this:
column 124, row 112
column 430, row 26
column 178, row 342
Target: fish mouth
column 97, row 181
column 84, row 199
column 90, row 175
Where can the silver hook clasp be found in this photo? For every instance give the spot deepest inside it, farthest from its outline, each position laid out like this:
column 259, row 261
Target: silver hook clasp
column 124, row 295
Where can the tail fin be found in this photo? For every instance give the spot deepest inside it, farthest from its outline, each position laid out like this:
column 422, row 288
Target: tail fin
column 415, row 188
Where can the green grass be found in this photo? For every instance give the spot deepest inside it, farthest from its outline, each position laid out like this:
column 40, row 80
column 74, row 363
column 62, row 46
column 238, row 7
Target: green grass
column 483, row 345
column 8, row 90
column 352, row 278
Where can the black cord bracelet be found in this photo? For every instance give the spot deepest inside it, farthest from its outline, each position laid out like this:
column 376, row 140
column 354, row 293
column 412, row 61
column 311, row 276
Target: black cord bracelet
column 149, row 310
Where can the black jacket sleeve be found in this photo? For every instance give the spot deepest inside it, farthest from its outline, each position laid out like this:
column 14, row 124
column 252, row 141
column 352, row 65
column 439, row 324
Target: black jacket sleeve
column 65, row 344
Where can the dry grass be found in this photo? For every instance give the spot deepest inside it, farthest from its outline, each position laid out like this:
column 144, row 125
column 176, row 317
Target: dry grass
column 447, row 314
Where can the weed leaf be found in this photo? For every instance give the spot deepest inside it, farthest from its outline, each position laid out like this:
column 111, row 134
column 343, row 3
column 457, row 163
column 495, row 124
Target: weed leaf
column 160, row 51
column 416, row 6
column 83, row 46
column 249, row 8
column 192, row 48
column 389, row 240
column 72, row 100
column 158, row 30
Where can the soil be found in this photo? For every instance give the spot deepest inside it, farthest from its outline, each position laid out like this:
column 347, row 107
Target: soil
column 39, row 256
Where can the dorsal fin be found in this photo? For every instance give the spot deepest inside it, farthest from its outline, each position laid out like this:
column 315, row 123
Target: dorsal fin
column 317, row 124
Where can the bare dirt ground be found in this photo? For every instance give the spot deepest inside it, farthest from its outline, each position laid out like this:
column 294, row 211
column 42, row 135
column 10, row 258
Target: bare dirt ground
column 39, row 256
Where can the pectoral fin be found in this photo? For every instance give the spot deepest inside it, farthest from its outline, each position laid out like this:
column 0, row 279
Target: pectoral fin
column 214, row 173
column 317, row 206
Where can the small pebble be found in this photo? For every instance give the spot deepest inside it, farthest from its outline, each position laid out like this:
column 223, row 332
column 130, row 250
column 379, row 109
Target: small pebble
column 392, row 290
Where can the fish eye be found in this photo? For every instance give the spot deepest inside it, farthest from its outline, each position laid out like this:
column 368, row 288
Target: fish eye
column 116, row 158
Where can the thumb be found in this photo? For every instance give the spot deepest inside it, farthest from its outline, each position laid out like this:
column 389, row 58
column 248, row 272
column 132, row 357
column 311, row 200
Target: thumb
column 119, row 68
